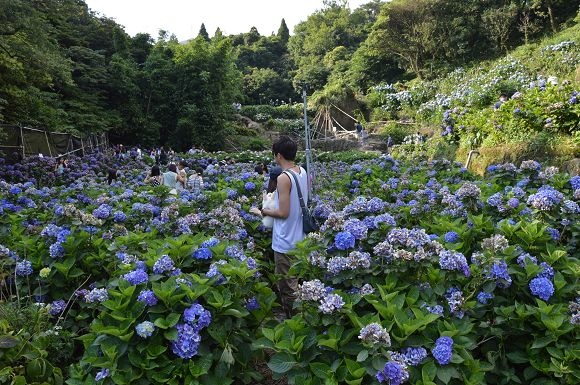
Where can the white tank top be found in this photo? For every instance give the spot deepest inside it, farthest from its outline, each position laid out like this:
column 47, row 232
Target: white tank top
column 287, row 232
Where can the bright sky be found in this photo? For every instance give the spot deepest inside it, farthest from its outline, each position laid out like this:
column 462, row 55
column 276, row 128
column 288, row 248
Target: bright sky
column 184, row 17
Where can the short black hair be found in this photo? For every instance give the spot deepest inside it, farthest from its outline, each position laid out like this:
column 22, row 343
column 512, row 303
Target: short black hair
column 172, row 167
column 286, row 147
column 155, row 171
column 199, row 171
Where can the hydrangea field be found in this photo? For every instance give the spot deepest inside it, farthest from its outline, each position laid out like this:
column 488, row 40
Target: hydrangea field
column 421, row 273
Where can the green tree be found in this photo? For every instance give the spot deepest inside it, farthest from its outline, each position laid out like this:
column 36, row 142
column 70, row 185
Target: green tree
column 207, row 84
column 203, row 33
column 283, row 32
column 498, row 24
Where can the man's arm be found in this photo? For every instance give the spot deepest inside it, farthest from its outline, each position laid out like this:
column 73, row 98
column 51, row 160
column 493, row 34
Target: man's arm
column 284, row 187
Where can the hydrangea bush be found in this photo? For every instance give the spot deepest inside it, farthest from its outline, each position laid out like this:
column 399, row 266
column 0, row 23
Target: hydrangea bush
column 421, row 273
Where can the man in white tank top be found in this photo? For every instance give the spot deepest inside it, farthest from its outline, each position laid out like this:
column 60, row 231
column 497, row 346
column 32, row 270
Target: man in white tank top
column 287, row 230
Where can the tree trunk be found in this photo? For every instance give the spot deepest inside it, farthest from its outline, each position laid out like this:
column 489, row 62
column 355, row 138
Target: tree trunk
column 551, row 14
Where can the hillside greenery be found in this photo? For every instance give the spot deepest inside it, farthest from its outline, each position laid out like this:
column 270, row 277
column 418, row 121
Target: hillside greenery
column 64, row 67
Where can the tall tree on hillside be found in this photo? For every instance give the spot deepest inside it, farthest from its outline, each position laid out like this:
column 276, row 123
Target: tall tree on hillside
column 498, row 24
column 283, row 32
column 206, row 86
column 203, row 33
column 405, row 29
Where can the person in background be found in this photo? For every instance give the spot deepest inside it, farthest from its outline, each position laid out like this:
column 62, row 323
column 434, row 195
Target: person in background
column 273, row 181
column 502, row 99
column 182, row 174
column 61, row 165
column 112, row 174
column 170, row 177
column 365, row 136
column 359, row 129
column 154, row 178
column 195, row 181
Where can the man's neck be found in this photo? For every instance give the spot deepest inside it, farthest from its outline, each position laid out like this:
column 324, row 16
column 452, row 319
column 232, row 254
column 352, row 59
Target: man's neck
column 285, row 164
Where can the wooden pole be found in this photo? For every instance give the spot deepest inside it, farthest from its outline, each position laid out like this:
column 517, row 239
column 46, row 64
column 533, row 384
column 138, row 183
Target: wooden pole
column 48, row 144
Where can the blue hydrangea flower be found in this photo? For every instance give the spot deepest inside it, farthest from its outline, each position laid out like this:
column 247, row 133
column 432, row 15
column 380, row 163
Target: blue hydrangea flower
column 414, row 356
column 331, row 303
column 235, row 251
column 103, row 211
column 443, row 350
column 356, row 228
column 102, row 374
column 23, row 268
column 554, row 233
column 513, row 203
column 163, row 264
column 57, row 307
column 187, row 341
column 96, row 295
column 484, row 297
column 252, row 304
column 547, row 271
column 56, row 250
column 202, row 253
column 453, row 260
column 148, row 297
column 249, row 186
column 145, row 329
column 210, row 242
column 197, row 316
column 575, row 182
column 136, row 277
column 499, row 272
column 344, row 240
column 119, row 217
column 393, row 374
column 542, row 287
column 451, row 237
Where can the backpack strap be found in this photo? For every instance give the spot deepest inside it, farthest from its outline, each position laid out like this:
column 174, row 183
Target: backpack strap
column 298, row 189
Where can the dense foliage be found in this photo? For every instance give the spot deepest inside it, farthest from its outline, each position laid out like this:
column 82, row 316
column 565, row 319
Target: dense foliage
column 421, row 272
column 65, row 68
